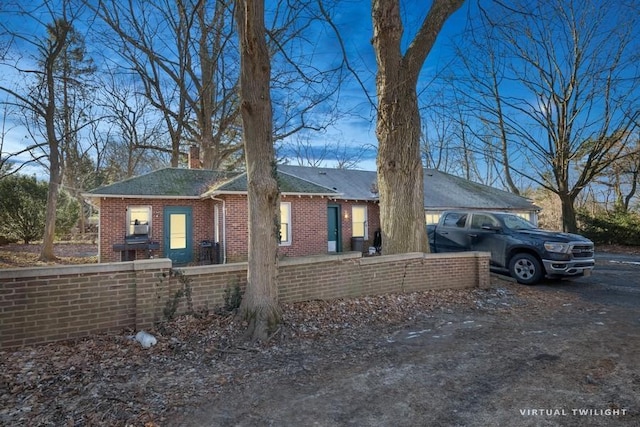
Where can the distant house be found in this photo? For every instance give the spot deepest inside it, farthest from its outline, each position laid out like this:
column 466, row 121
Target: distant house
column 200, row 216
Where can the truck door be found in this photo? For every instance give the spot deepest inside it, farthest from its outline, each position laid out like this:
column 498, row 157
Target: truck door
column 451, row 234
column 483, row 236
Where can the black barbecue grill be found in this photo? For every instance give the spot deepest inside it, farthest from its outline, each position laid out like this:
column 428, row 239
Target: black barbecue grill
column 134, row 243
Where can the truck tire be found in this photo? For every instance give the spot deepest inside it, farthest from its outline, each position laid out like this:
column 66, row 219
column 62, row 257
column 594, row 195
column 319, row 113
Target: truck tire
column 525, row 268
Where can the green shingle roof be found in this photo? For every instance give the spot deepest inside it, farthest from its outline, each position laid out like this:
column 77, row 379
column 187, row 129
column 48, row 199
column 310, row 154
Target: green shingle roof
column 442, row 191
column 195, row 183
column 168, row 182
column 287, row 183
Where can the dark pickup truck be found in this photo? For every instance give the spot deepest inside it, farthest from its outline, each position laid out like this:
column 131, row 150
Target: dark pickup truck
column 527, row 253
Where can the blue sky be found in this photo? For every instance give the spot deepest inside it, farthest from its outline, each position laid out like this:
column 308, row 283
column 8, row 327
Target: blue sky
column 355, row 130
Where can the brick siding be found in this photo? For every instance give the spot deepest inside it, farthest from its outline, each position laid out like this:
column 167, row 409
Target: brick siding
column 113, row 223
column 47, row 304
column 308, row 225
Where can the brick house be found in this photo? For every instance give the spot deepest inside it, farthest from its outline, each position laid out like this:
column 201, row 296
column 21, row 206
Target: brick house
column 200, row 216
column 195, row 215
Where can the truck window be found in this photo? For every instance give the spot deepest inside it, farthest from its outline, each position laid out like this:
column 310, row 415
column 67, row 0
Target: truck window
column 455, row 219
column 515, row 222
column 480, row 220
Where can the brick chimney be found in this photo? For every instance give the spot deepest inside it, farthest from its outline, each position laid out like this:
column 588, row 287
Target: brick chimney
column 194, row 157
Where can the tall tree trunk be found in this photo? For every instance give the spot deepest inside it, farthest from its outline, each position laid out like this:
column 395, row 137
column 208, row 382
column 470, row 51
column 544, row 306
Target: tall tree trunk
column 504, row 140
column 59, row 38
column 260, row 303
column 55, row 176
column 46, row 250
column 205, row 112
column 569, row 223
column 400, row 175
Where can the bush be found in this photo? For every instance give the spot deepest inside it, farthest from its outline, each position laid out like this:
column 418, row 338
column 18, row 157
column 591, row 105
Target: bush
column 617, row 227
column 67, row 213
column 23, row 203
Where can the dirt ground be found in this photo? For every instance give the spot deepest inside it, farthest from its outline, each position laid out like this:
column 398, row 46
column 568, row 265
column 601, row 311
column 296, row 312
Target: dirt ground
column 18, row 255
column 509, row 355
column 516, row 356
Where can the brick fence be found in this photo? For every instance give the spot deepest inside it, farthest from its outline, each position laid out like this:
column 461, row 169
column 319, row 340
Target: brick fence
column 45, row 304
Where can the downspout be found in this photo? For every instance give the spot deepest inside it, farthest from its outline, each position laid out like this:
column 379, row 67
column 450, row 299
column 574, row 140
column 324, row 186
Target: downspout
column 224, row 228
column 99, row 234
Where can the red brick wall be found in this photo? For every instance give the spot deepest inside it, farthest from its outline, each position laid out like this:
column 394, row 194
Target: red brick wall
column 46, row 304
column 113, row 223
column 308, row 226
column 56, row 303
column 308, row 222
column 237, row 235
column 373, row 223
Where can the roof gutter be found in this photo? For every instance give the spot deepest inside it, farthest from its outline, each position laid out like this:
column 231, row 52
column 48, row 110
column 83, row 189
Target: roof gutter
column 284, row 193
column 224, row 228
column 136, row 196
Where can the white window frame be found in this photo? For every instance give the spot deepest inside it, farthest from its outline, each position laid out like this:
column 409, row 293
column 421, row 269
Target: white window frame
column 364, row 223
column 131, row 217
column 285, row 222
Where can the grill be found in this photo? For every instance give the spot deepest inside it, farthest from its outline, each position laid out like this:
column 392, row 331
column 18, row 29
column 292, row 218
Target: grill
column 582, row 251
column 136, row 240
column 134, row 243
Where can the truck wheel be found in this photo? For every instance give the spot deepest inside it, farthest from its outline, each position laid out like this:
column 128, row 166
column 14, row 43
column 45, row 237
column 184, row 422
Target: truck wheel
column 525, row 268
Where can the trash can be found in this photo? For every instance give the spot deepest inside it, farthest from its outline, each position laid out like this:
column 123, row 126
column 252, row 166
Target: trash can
column 216, row 253
column 206, row 253
column 357, row 244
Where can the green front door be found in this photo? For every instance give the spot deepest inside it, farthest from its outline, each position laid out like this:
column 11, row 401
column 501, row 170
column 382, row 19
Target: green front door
column 178, row 239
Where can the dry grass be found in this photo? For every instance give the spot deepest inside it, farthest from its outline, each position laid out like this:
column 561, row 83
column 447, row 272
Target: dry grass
column 24, row 256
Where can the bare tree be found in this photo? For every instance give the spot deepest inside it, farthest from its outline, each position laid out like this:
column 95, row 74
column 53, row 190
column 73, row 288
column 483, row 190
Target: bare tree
column 7, row 160
column 329, row 154
column 622, row 174
column 260, row 303
column 346, row 157
column 130, row 124
column 76, row 98
column 479, row 87
column 44, row 94
column 447, row 141
column 174, row 48
column 559, row 86
column 400, row 177
column 441, row 147
column 305, row 153
column 185, row 54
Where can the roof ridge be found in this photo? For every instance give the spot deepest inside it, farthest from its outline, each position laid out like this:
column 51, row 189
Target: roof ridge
column 311, row 182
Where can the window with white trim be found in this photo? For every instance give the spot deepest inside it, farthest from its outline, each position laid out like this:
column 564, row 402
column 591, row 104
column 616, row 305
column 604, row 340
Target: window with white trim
column 138, row 220
column 285, row 224
column 359, row 221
